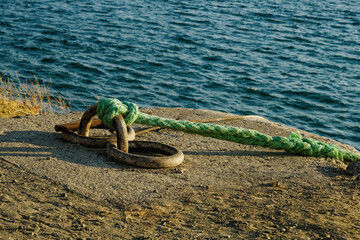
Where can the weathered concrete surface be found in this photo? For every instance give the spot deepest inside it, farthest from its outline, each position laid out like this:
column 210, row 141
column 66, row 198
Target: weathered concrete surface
column 222, row 190
column 31, row 143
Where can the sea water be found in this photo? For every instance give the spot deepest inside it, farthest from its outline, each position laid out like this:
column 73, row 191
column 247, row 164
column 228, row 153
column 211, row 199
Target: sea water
column 295, row 62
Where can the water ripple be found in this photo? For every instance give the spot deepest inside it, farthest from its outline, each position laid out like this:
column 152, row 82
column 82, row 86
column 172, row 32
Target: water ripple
column 295, row 62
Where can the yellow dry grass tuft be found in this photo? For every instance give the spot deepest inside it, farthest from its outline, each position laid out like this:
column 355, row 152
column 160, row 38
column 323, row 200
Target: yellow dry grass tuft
column 21, row 99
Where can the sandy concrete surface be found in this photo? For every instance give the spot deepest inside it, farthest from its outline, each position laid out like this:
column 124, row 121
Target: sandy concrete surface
column 215, row 174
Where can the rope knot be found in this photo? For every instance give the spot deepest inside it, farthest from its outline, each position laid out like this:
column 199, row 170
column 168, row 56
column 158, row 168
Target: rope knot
column 107, row 109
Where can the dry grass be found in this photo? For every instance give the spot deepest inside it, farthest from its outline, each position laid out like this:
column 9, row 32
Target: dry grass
column 21, row 99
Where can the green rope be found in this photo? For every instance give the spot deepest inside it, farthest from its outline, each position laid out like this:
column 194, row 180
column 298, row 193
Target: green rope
column 109, row 108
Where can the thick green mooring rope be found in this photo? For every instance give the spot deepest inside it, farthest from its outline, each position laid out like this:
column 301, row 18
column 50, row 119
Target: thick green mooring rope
column 107, row 109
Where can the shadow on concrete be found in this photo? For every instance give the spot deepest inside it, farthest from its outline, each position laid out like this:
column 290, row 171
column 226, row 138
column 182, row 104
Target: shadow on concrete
column 42, row 146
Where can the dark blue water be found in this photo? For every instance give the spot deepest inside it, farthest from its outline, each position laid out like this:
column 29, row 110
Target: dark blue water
column 295, row 62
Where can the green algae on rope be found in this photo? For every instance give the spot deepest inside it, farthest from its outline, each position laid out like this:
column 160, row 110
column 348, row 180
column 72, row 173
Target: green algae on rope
column 107, row 109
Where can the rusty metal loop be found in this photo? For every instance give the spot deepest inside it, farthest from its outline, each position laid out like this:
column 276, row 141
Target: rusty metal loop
column 121, row 134
column 82, row 137
column 93, row 142
column 163, row 156
column 158, row 155
column 86, row 119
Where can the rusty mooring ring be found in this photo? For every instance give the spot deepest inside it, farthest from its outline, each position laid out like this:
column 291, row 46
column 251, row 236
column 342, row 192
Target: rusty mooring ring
column 164, row 156
column 82, row 137
column 171, row 157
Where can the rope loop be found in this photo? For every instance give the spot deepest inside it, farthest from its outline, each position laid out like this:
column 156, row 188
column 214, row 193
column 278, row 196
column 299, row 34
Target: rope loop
column 132, row 113
column 107, row 109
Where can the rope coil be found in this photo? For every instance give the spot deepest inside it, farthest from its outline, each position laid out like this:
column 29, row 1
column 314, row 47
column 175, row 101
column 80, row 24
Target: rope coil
column 107, row 109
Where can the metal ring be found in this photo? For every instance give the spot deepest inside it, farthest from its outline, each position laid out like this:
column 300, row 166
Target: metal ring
column 83, row 138
column 121, row 134
column 163, row 156
column 93, row 142
column 86, row 119
column 171, row 157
